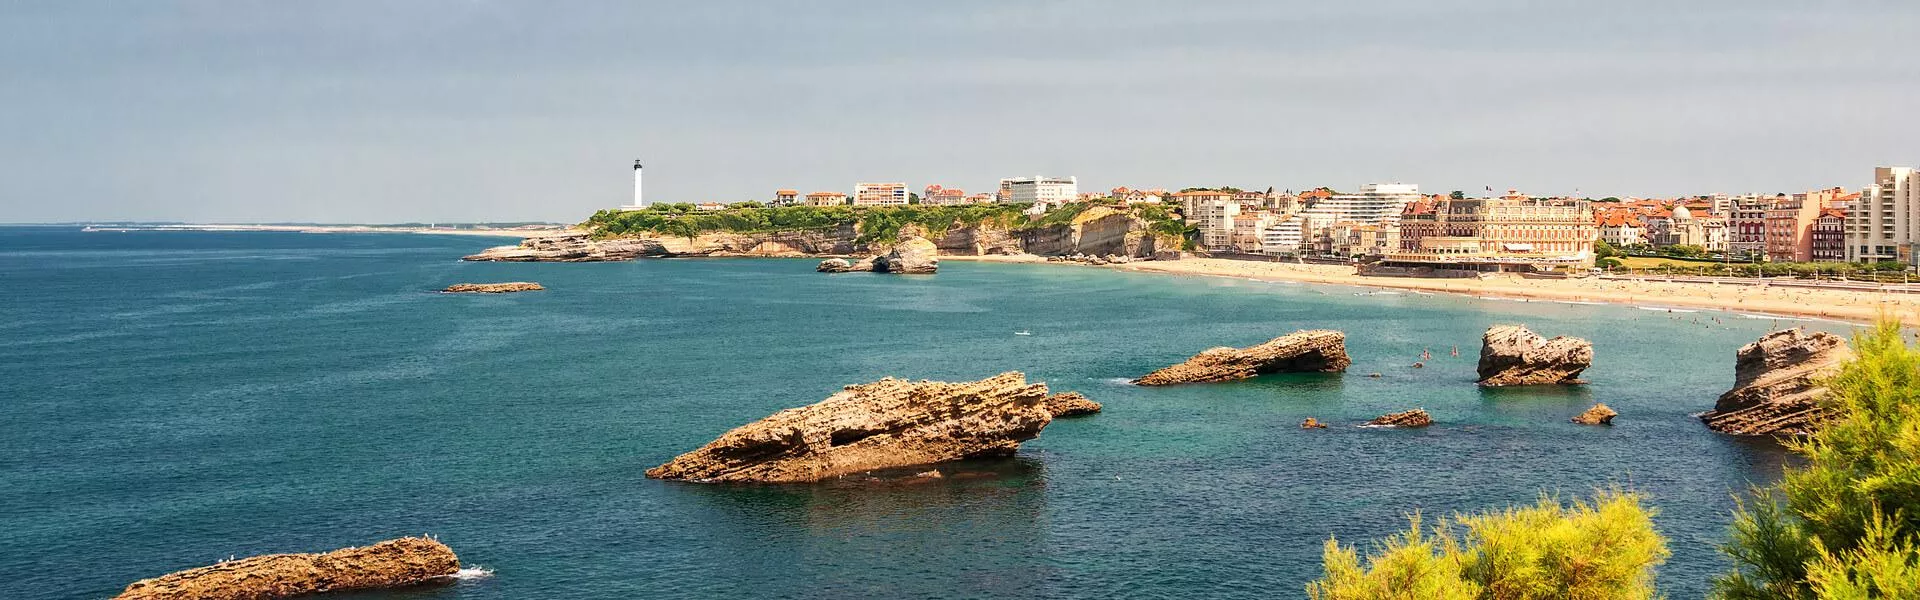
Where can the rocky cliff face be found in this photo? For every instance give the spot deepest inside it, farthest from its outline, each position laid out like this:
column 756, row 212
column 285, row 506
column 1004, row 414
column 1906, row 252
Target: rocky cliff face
column 885, row 424
column 1319, row 350
column 1515, row 355
column 1776, row 383
column 389, row 564
column 1098, row 231
column 579, row 246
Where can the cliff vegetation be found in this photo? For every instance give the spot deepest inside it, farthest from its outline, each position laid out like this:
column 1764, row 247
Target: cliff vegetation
column 875, row 224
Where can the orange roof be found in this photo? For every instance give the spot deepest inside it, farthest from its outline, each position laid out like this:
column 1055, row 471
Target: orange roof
column 785, row 192
column 1834, row 212
column 824, row 194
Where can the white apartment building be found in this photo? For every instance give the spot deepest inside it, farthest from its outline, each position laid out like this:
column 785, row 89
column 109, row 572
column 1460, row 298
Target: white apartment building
column 1374, row 203
column 1283, row 237
column 1885, row 223
column 880, row 194
column 1053, row 191
column 1214, row 216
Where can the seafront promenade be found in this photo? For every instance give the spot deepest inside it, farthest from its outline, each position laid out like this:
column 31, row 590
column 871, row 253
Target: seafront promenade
column 1798, row 299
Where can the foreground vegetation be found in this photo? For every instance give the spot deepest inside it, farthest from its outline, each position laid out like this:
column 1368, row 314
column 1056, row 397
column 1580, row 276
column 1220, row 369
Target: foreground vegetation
column 1844, row 526
column 1847, row 524
column 874, row 223
column 1606, row 548
column 1694, row 260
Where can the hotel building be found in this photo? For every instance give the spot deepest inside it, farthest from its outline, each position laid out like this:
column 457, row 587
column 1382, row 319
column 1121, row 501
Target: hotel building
column 1884, row 223
column 1497, row 234
column 826, row 199
column 880, row 194
column 1053, row 191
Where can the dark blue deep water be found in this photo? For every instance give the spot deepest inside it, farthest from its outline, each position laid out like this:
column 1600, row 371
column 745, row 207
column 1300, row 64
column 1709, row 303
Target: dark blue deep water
column 168, row 399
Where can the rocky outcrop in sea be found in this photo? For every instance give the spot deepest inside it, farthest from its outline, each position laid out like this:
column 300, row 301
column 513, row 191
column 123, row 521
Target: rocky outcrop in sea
column 389, row 564
column 1071, row 404
column 1320, row 350
column 912, row 256
column 886, row 424
column 1777, row 383
column 1515, row 355
column 1408, row 419
column 1600, row 414
column 493, row 288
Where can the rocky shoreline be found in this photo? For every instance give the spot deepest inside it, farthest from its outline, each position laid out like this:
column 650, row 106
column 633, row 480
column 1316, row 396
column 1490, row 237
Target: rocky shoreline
column 390, row 564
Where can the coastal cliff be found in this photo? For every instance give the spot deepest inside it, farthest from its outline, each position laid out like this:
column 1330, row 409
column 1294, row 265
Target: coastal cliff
column 1777, row 383
column 886, row 424
column 1090, row 230
column 389, row 564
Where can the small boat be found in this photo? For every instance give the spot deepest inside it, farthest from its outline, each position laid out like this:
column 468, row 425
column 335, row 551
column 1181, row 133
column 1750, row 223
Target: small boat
column 1023, row 332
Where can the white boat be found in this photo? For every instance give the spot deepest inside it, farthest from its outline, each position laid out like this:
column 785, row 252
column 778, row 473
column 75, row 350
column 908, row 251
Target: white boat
column 1023, row 332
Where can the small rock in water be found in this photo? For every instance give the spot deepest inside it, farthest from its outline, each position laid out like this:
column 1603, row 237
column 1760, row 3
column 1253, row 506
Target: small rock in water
column 493, row 288
column 1312, row 423
column 1409, row 419
column 1374, row 375
column 934, row 474
column 1600, row 414
column 1071, row 404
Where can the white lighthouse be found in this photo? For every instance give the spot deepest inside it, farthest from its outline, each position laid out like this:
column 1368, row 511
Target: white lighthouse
column 639, row 200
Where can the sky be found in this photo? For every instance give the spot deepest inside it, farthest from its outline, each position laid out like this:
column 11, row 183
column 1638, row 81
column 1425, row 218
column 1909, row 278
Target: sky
column 481, row 110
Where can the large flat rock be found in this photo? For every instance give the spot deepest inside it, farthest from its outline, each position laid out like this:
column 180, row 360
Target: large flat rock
column 1317, row 350
column 886, row 424
column 389, row 564
column 1515, row 355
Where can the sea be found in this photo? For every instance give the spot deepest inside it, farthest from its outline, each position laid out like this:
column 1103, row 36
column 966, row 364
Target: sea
column 170, row 399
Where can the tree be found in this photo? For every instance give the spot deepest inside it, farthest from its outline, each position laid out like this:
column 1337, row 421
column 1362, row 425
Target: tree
column 913, row 198
column 1457, row 195
column 1607, row 548
column 1684, row 251
column 1602, row 249
column 748, row 204
column 1845, row 525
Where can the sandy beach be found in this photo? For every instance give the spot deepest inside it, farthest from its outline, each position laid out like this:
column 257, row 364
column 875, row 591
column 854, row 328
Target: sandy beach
column 1844, row 305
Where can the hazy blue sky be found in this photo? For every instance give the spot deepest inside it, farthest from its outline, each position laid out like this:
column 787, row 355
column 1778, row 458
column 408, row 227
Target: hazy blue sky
column 421, row 110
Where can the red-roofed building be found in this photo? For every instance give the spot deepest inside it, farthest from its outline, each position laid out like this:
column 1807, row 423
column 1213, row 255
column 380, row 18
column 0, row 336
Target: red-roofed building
column 786, row 197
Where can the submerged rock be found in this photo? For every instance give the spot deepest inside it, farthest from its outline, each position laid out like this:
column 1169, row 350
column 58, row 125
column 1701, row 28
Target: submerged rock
column 389, row 564
column 885, row 424
column 1600, row 414
column 1776, row 383
column 1515, row 355
column 493, row 288
column 1409, row 419
column 1320, row 350
column 1071, row 404
column 1312, row 423
column 912, row 256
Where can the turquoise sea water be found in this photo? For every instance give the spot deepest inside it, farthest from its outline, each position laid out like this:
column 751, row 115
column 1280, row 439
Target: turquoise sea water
column 169, row 399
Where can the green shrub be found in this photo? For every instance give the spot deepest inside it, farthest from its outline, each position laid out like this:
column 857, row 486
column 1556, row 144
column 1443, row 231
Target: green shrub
column 1845, row 525
column 1606, row 549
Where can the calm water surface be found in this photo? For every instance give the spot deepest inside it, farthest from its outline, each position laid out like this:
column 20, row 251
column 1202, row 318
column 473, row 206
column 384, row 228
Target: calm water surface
column 168, row 399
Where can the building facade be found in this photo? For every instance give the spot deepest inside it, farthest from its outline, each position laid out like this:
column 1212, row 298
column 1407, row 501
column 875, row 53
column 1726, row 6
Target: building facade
column 1509, row 233
column 1881, row 225
column 880, row 194
column 786, row 197
column 826, row 199
column 1053, row 191
column 1829, row 237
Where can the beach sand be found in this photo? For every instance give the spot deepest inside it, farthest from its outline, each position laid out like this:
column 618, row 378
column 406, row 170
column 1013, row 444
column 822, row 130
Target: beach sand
column 1844, row 305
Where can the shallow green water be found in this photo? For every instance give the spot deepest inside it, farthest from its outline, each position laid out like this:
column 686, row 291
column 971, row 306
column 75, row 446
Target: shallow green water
column 170, row 399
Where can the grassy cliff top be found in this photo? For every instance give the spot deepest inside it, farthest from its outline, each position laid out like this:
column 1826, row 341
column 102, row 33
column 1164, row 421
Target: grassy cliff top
column 874, row 223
